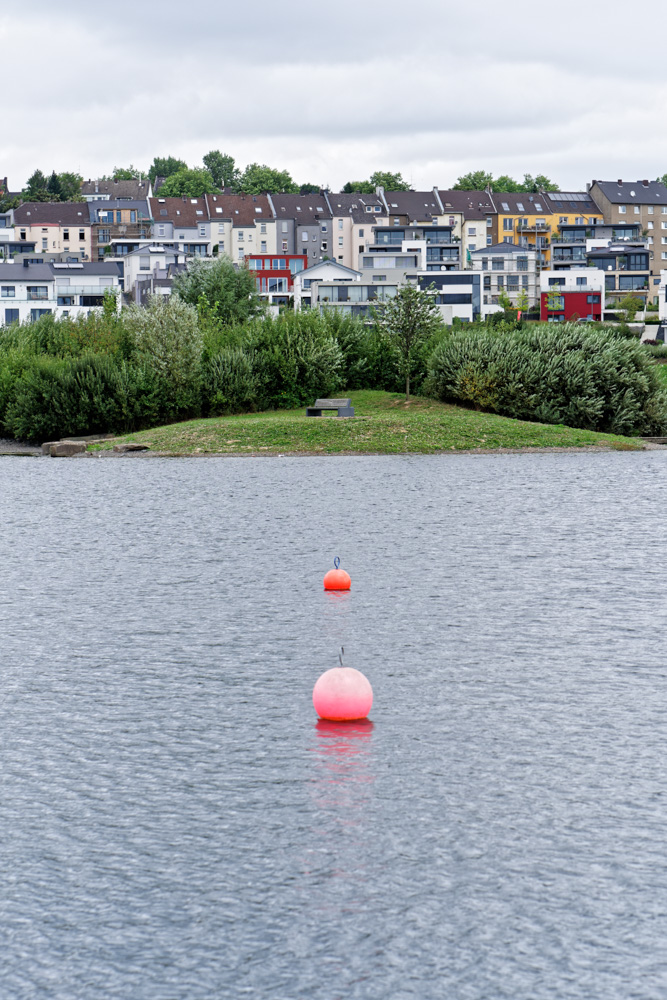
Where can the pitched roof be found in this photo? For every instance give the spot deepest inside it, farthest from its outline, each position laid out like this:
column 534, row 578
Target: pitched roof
column 104, row 206
column 640, row 192
column 52, row 213
column 473, row 204
column 18, row 272
column 135, row 188
column 304, row 208
column 354, row 205
column 517, row 202
column 573, row 201
column 417, row 205
column 242, row 209
column 326, row 264
column 181, row 211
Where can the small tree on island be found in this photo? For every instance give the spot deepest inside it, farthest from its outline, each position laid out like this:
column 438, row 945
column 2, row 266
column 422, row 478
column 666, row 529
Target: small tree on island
column 630, row 306
column 406, row 322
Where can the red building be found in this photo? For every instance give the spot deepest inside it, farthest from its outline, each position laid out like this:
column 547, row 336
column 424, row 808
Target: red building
column 274, row 273
column 572, row 294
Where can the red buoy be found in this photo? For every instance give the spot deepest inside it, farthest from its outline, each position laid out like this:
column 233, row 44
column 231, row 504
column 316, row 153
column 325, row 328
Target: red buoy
column 337, row 579
column 342, row 694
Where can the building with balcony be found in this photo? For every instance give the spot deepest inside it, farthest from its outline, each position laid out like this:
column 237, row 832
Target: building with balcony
column 304, row 225
column 573, row 241
column 274, row 275
column 439, row 248
column 353, row 217
column 305, row 283
column 571, row 295
column 458, row 294
column 645, row 204
column 524, row 220
column 28, row 291
column 118, row 223
column 626, row 270
column 184, row 223
column 507, row 270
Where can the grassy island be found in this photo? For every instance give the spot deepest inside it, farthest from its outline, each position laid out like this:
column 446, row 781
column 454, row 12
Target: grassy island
column 384, row 424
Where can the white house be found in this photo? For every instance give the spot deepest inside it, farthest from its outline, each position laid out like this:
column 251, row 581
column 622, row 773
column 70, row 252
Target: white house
column 305, row 282
column 28, row 291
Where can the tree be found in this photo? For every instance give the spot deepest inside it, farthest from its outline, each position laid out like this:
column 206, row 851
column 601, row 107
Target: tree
column 662, row 180
column 126, row 174
column 222, row 169
column 258, row 179
column 388, row 181
column 165, row 166
column 476, row 180
column 70, row 186
column 406, row 322
column 54, row 188
column 630, row 306
column 381, row 178
column 189, row 183
column 506, row 183
column 35, row 189
column 522, row 301
column 218, row 289
column 309, row 189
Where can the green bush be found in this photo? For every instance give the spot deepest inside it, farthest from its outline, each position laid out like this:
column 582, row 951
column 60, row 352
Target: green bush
column 552, row 373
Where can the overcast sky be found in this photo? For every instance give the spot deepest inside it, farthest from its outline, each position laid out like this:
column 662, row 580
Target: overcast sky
column 431, row 88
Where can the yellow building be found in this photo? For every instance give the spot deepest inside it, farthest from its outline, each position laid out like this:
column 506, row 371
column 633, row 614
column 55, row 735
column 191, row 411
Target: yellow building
column 534, row 220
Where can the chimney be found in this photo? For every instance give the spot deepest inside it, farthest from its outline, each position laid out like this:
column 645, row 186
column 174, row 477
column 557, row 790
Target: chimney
column 97, row 188
column 645, row 184
column 619, row 182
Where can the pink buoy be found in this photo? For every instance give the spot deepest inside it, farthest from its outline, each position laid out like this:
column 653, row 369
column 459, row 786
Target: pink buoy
column 342, row 694
column 337, row 579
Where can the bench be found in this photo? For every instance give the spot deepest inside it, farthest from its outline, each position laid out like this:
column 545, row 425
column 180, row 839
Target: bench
column 343, row 407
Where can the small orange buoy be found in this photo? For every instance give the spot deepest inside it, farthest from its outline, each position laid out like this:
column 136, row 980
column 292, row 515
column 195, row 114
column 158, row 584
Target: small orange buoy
column 342, row 694
column 337, row 579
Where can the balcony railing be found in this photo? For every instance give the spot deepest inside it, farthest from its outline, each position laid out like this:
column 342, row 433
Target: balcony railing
column 540, row 227
column 568, row 239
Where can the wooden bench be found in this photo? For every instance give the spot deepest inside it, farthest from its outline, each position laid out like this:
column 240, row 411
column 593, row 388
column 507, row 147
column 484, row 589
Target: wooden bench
column 343, row 407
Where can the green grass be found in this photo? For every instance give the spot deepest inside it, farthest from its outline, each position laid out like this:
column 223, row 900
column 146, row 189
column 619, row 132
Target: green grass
column 383, row 424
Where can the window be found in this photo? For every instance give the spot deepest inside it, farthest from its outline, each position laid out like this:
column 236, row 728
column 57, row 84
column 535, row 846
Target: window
column 202, row 230
column 361, row 234
column 45, row 243
column 314, row 239
column 508, row 239
column 555, row 302
column 38, row 292
column 487, row 281
column 501, row 281
column 557, row 281
column 133, row 216
column 304, row 237
column 144, row 264
column 340, row 241
column 82, row 234
column 592, row 299
column 489, row 241
column 513, row 282
column 262, row 246
column 650, row 225
column 241, row 253
column 325, row 246
column 66, row 235
column 240, row 237
column 22, row 235
column 160, row 231
column 340, row 223
column 497, row 264
column 284, row 246
column 489, row 222
column 104, row 236
column 621, row 209
column 563, row 219
column 11, row 316
column 524, row 281
column 485, row 263
column 379, row 277
column 637, row 209
column 66, row 300
column 664, row 209
column 262, row 227
column 650, row 210
column 508, row 224
column 8, row 292
column 472, row 231
column 471, row 247
column 582, row 281
column 36, row 313
column 522, row 263
column 324, row 228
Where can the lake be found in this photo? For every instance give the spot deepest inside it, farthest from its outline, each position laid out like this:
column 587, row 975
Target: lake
column 176, row 825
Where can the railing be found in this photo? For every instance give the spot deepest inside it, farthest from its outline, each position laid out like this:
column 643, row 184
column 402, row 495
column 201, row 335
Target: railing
column 568, row 239
column 540, row 227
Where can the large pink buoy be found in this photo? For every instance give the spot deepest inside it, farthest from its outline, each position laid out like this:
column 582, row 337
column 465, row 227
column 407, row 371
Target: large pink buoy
column 342, row 694
column 337, row 579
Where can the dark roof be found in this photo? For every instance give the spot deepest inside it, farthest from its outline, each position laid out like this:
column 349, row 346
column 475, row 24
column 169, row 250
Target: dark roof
column 573, row 201
column 104, row 206
column 497, row 248
column 54, row 213
column 640, row 192
column 303, row 207
column 18, row 272
column 354, row 205
column 616, row 248
column 473, row 204
column 90, row 267
column 117, row 189
column 240, row 208
column 180, row 211
column 417, row 205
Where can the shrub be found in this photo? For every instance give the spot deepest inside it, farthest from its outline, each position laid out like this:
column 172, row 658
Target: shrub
column 561, row 373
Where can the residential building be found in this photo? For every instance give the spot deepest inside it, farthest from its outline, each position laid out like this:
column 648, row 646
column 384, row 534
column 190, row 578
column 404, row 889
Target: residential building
column 274, row 275
column 28, row 291
column 645, row 204
column 415, row 208
column 507, row 270
column 353, row 218
column 118, row 224
column 55, row 227
column 574, row 240
column 458, row 294
column 626, row 269
column 241, row 225
column 149, row 270
column 304, row 225
column 471, row 215
column 439, row 249
column 305, row 283
column 353, row 298
column 578, row 293
column 524, row 220
column 183, row 223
